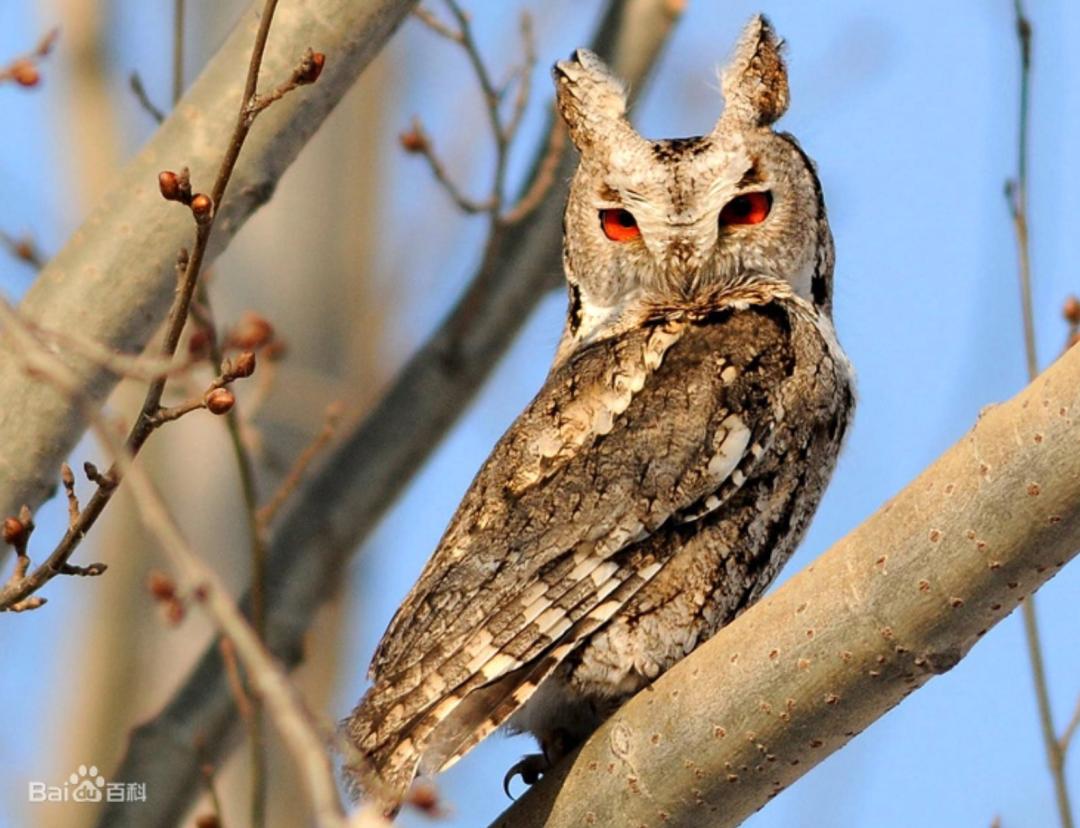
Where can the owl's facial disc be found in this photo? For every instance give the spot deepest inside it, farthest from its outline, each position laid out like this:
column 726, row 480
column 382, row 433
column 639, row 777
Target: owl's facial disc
column 677, row 222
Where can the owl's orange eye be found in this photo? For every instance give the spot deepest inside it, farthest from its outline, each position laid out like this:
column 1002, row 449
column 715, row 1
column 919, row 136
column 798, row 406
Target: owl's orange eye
column 749, row 208
column 619, row 225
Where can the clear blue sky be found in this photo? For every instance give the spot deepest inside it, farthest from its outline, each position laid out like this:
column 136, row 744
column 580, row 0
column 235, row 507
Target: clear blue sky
column 909, row 110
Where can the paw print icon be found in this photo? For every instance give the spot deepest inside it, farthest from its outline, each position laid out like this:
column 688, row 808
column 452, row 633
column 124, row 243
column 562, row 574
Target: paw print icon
column 88, row 784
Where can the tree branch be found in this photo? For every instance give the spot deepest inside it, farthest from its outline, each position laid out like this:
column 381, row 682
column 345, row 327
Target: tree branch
column 901, row 599
column 355, row 485
column 114, row 279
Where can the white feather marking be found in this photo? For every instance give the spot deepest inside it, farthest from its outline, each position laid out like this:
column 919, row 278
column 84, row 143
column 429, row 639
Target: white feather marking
column 736, row 436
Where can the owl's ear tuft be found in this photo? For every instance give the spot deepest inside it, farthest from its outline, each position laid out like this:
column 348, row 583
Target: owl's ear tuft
column 592, row 101
column 755, row 82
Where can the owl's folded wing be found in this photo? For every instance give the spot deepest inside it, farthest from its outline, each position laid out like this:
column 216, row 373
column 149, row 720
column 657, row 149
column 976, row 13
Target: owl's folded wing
column 661, row 424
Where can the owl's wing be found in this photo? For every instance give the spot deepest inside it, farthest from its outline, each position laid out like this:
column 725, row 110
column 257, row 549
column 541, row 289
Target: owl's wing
column 658, row 425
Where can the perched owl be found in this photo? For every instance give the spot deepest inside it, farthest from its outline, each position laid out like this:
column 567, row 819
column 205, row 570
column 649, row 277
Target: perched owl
column 670, row 463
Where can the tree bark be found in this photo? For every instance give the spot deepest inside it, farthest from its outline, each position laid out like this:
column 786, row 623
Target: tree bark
column 899, row 600
column 114, row 278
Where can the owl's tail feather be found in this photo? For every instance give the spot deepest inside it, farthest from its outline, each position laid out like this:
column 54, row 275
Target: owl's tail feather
column 389, row 754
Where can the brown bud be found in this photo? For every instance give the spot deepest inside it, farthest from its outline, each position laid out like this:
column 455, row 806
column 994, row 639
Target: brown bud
column 25, row 73
column 220, row 401
column 252, row 331
column 202, row 206
column 1071, row 311
column 24, row 249
column 14, row 531
column 425, row 798
column 169, row 184
column 161, row 586
column 244, row 366
column 207, row 821
column 311, row 67
column 414, row 140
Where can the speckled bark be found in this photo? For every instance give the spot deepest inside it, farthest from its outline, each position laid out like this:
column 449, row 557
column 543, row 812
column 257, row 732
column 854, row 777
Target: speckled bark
column 114, row 278
column 899, row 600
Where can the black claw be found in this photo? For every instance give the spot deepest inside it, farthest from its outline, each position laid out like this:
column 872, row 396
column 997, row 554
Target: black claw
column 530, row 769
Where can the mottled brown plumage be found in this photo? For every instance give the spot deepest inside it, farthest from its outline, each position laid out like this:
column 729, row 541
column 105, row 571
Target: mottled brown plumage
column 670, row 463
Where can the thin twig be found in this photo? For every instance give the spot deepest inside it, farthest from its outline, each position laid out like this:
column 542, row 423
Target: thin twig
column 67, row 476
column 524, row 78
column 143, row 97
column 1016, row 192
column 417, row 141
column 24, row 70
column 178, row 51
column 1070, row 730
column 206, row 770
column 236, row 682
column 426, row 17
column 542, row 182
column 491, row 100
column 292, row 479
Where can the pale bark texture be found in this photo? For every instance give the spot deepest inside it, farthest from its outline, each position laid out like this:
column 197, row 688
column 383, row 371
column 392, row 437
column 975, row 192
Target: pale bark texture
column 899, row 600
column 114, row 278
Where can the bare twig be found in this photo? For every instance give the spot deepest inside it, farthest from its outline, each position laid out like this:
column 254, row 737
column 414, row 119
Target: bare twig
column 307, row 71
column 178, row 51
column 417, row 141
column 524, row 78
column 426, row 17
column 295, row 475
column 67, row 476
column 143, row 97
column 17, row 532
column 544, row 179
column 24, row 70
column 244, row 705
column 1070, row 730
column 143, row 367
column 1016, row 192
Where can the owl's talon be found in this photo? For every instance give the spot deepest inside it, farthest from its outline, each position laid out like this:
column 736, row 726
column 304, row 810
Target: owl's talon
column 530, row 769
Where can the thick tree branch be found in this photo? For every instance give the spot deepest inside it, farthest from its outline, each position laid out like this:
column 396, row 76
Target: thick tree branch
column 114, row 279
column 375, row 459
column 899, row 600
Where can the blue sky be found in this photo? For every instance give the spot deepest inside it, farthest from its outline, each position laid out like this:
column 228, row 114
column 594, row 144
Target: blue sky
column 909, row 110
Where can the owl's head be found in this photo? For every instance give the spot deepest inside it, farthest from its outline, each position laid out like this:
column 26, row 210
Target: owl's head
column 675, row 221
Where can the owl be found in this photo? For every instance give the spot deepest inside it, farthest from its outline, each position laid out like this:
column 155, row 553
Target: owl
column 672, row 459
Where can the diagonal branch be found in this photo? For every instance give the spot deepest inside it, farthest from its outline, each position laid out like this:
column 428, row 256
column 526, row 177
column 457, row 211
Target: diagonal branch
column 377, row 456
column 901, row 599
